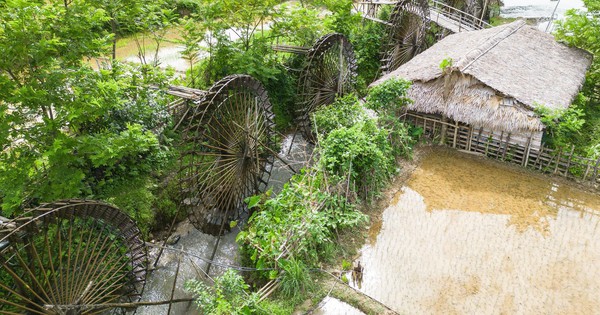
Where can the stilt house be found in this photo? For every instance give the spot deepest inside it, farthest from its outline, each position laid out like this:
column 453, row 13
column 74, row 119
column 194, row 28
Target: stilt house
column 494, row 81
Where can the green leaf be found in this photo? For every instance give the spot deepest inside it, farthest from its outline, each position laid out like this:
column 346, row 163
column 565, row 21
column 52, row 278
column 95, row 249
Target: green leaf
column 252, row 201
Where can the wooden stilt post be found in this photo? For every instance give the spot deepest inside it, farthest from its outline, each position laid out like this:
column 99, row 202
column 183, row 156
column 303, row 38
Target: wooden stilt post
column 569, row 161
column 455, row 134
column 527, row 151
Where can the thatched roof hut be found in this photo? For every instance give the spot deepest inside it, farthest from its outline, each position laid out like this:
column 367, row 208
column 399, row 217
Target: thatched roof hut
column 497, row 77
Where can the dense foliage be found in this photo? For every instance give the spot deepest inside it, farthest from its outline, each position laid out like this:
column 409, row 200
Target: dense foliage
column 582, row 29
column 389, row 101
column 292, row 232
column 228, row 295
column 67, row 130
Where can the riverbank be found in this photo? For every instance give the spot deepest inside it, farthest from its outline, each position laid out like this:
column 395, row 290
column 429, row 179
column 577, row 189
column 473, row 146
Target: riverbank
column 350, row 241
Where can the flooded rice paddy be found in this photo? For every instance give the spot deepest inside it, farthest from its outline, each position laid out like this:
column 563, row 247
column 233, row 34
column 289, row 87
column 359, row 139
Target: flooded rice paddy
column 466, row 235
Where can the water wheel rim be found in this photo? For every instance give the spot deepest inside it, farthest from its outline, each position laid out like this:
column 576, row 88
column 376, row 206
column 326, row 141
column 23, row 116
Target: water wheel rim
column 72, row 255
column 407, row 29
column 329, row 72
column 230, row 159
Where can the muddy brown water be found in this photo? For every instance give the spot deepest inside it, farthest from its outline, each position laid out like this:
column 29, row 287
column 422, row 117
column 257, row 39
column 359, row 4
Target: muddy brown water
column 467, row 235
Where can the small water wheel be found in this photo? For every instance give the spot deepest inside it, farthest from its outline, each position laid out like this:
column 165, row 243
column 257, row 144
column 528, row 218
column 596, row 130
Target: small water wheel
column 329, row 71
column 70, row 257
column 407, row 27
column 226, row 151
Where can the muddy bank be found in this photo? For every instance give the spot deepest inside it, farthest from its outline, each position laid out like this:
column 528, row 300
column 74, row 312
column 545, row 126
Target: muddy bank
column 466, row 235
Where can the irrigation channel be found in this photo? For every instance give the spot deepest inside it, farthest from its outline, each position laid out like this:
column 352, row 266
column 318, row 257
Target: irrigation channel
column 175, row 267
column 468, row 235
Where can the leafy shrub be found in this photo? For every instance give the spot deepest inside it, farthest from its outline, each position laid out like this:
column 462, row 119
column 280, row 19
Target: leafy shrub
column 562, row 126
column 303, row 214
column 367, row 39
column 136, row 198
column 229, row 295
column 389, row 97
column 359, row 156
column 346, row 111
column 389, row 100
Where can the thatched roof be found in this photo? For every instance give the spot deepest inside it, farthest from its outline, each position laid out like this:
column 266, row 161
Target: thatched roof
column 514, row 60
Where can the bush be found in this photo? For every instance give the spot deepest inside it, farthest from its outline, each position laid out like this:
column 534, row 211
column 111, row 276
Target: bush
column 295, row 278
column 360, row 157
column 345, row 112
column 303, row 214
column 389, row 100
column 228, row 295
column 367, row 40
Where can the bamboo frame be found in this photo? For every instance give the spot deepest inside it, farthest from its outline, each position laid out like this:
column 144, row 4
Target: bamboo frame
column 501, row 146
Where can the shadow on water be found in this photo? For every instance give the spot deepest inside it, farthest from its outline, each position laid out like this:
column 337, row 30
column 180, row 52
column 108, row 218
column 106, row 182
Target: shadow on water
column 467, row 235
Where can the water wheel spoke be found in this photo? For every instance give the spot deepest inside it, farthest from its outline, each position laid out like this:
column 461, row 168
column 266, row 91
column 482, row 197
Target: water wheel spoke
column 79, row 252
column 238, row 124
column 406, row 33
column 329, row 71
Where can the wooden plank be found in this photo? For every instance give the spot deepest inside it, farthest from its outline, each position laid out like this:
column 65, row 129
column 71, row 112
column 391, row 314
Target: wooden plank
column 506, row 146
column 558, row 156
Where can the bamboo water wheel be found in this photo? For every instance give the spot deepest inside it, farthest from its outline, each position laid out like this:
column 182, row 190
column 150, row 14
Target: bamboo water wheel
column 329, row 72
column 407, row 29
column 70, row 257
column 226, row 151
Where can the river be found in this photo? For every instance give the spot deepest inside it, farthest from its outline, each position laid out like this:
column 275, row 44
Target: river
column 539, row 9
column 467, row 235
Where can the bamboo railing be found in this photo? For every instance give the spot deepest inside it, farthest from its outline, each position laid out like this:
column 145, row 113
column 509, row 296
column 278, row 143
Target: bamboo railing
column 440, row 13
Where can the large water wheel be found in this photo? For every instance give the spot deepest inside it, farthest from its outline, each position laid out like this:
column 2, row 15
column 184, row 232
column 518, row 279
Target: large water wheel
column 226, row 151
column 329, row 72
column 406, row 33
column 70, row 257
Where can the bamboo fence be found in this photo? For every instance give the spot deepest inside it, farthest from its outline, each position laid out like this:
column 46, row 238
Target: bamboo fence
column 500, row 146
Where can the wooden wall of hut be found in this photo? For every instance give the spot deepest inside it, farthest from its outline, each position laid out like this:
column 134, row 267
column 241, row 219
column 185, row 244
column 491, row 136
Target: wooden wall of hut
column 523, row 149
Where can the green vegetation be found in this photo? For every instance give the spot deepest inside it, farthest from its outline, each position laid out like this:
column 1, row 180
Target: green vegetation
column 228, row 295
column 66, row 130
column 69, row 131
column 580, row 126
column 287, row 234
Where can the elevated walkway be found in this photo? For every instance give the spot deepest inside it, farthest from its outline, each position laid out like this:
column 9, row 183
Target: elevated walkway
column 440, row 13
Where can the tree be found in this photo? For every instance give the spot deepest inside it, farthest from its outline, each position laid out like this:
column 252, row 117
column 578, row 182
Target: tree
column 66, row 130
column 582, row 29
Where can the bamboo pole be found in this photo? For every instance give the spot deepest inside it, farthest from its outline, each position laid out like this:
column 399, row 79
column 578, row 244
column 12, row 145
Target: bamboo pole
column 469, row 139
column 527, row 150
column 174, row 284
column 596, row 170
column 569, row 161
column 455, row 134
column 505, row 146
column 557, row 162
